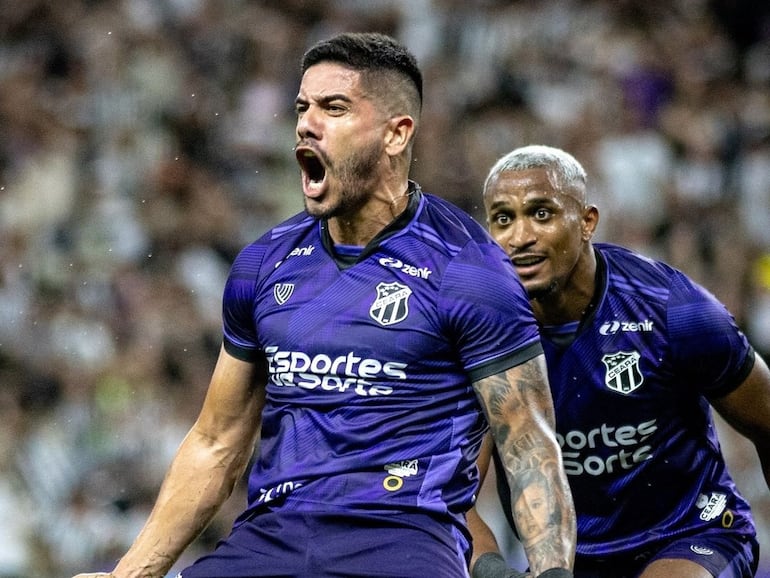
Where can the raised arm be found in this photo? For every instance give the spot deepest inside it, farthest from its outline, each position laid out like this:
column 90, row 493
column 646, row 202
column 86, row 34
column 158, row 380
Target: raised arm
column 747, row 409
column 519, row 408
column 209, row 462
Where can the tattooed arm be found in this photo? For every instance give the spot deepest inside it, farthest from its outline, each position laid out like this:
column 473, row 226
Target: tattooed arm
column 519, row 408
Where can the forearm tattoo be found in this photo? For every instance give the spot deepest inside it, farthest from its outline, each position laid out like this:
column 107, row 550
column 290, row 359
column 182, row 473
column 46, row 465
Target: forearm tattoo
column 520, row 413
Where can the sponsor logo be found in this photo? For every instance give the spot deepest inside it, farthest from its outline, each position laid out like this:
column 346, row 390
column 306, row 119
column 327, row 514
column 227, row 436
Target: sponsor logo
column 711, row 506
column 397, row 472
column 391, row 305
column 702, row 550
column 420, row 272
column 301, row 251
column 270, row 494
column 297, row 252
column 585, row 452
column 623, row 374
column 339, row 374
column 282, row 292
column 612, row 327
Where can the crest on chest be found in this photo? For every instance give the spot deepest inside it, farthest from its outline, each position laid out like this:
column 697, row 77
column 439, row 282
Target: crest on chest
column 622, row 371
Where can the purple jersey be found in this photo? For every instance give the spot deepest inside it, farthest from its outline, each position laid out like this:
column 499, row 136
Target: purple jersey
column 370, row 406
column 633, row 420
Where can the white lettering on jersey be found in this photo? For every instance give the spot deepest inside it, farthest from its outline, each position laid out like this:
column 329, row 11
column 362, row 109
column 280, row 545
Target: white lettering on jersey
column 270, row 494
column 297, row 252
column 301, row 251
column 403, row 469
column 420, row 272
column 397, row 471
column 711, row 507
column 612, row 327
column 628, row 438
column 340, row 374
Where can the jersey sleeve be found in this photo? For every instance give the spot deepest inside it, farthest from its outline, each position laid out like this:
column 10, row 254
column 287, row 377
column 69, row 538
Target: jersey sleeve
column 707, row 344
column 238, row 302
column 489, row 312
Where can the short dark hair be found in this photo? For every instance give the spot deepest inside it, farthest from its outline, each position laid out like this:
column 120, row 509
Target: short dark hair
column 368, row 52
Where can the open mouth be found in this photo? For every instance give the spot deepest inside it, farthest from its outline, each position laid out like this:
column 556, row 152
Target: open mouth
column 312, row 166
column 527, row 260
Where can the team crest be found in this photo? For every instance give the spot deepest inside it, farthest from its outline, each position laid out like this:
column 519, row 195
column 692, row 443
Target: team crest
column 391, row 304
column 282, row 292
column 623, row 373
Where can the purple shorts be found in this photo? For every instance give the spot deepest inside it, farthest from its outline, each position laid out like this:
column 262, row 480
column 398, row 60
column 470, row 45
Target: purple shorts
column 723, row 554
column 303, row 545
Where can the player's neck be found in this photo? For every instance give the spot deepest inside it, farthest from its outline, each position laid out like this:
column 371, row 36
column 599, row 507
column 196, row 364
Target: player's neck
column 381, row 210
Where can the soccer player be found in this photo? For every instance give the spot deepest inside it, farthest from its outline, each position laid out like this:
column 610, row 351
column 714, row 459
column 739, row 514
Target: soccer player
column 368, row 342
column 637, row 354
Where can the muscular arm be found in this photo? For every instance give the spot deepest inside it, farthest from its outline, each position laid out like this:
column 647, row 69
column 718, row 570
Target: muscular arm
column 747, row 409
column 209, row 462
column 519, row 408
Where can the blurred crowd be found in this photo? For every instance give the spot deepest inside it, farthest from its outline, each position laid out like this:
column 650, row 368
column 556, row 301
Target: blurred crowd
column 144, row 142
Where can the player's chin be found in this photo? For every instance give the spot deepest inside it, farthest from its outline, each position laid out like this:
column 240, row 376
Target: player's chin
column 318, row 208
column 540, row 289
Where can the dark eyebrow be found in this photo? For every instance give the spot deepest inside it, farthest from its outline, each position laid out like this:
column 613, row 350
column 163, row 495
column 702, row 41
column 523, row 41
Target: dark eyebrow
column 536, row 202
column 324, row 100
column 496, row 205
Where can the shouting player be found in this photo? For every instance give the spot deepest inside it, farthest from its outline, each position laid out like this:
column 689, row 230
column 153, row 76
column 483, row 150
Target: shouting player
column 368, row 342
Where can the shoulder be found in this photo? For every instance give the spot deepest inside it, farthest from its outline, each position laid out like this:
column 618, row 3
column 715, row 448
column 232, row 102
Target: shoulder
column 451, row 219
column 632, row 265
column 273, row 246
column 631, row 272
column 635, row 275
column 451, row 230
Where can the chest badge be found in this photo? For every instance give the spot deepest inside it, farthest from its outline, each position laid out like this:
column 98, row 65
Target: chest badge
column 391, row 304
column 623, row 374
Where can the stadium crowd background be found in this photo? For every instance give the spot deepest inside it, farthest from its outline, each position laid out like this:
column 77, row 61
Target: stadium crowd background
column 143, row 142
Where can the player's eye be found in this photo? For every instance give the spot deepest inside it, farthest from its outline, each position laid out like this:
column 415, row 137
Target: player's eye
column 336, row 108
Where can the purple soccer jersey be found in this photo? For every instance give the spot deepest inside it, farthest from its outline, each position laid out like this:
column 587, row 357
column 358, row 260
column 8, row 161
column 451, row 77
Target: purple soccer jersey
column 370, row 406
column 630, row 391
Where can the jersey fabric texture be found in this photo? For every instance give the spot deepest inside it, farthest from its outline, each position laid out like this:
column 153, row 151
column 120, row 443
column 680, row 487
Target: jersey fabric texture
column 371, row 359
column 631, row 385
column 294, row 544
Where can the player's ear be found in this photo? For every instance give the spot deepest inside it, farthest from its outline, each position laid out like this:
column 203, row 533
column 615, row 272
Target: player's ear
column 399, row 133
column 589, row 222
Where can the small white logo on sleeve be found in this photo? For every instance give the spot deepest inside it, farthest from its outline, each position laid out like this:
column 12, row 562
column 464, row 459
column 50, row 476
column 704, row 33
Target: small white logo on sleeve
column 702, row 550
